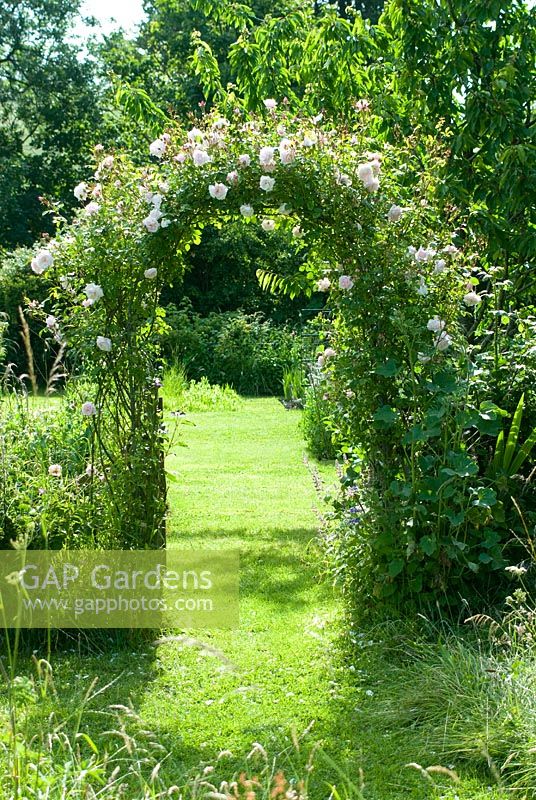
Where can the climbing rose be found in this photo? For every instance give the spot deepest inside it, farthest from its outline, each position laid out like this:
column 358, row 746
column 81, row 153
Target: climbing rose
column 424, row 254
column 232, row 177
column 80, row 191
column 443, row 340
column 165, row 223
column 450, row 249
column 180, row 158
column 394, row 213
column 268, row 225
column 323, row 284
column 270, row 104
column 246, row 210
column 157, row 148
column 266, row 183
column 88, row 409
column 55, row 470
column 439, row 266
column 150, row 274
column 195, row 135
column 108, row 162
column 200, row 157
column 329, row 352
column 310, row 139
column 365, row 173
column 244, row 160
column 42, row 260
column 435, row 325
column 151, row 223
column 93, row 292
column 218, row 191
column 297, row 232
column 472, row 299
column 345, row 282
column 103, row 343
column 266, row 157
column 373, row 186
column 50, row 321
column 422, row 288
column 91, row 208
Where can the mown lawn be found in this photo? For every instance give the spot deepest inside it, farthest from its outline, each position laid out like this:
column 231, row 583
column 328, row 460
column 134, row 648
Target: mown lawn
column 240, row 482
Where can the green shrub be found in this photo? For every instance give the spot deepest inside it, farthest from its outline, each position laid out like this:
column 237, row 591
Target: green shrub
column 183, row 395
column 316, row 423
column 245, row 351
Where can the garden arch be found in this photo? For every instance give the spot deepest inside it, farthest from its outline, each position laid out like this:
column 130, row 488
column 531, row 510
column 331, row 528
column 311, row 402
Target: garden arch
column 338, row 200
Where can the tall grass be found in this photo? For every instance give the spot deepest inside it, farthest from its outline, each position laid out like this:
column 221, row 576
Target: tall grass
column 183, row 395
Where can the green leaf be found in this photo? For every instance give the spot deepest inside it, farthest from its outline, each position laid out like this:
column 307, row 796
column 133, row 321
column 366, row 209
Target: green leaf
column 513, row 436
column 385, row 417
column 427, row 545
column 388, row 369
column 395, row 567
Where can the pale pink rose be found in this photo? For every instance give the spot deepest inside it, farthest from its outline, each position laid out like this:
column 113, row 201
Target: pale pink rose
column 195, row 135
column 309, row 140
column 422, row 288
column 439, row 266
column 157, row 148
column 329, row 352
column 246, row 210
column 450, row 249
column 232, row 177
column 472, row 299
column 55, row 470
column 266, row 157
column 395, row 213
column 93, row 292
column 287, row 151
column 373, row 185
column 200, row 157
column 88, row 409
column 365, row 173
column 297, row 232
column 345, row 282
column 50, row 321
column 150, row 274
column 180, row 158
column 42, row 260
column 91, row 208
column 424, row 254
column 103, row 343
column 151, row 223
column 266, row 183
column 218, row 191
column 80, row 191
column 323, row 285
column 268, row 225
column 270, row 104
column 435, row 325
column 244, row 160
column 443, row 340
column 108, row 162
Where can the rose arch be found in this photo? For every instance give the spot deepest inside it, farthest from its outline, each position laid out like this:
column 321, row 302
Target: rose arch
column 343, row 203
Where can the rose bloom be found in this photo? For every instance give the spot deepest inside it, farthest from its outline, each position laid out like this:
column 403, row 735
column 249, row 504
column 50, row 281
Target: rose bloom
column 93, row 292
column 108, row 162
column 329, row 352
column 151, row 223
column 424, row 254
column 104, row 344
column 266, row 157
column 310, row 140
column 218, row 191
column 365, row 173
column 165, row 223
column 297, row 232
column 244, row 160
column 439, row 266
column 323, row 285
column 373, row 185
column 195, row 135
column 443, row 340
column 150, row 274
column 180, row 158
column 200, row 157
column 50, row 321
column 266, row 183
column 157, row 148
column 42, row 260
column 345, row 282
column 395, row 213
column 88, row 409
column 270, row 104
column 287, row 151
column 423, row 288
column 450, row 249
column 91, row 208
column 246, row 210
column 80, row 191
column 268, row 225
column 55, row 470
column 232, row 177
column 472, row 299
column 435, row 325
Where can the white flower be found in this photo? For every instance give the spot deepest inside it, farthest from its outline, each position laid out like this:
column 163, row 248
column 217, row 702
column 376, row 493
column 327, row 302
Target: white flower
column 266, row 157
column 180, row 158
column 165, row 223
column 284, row 209
column 517, row 572
column 424, row 254
column 443, row 340
column 472, row 299
column 151, row 223
column 411, row 250
column 244, row 160
column 345, row 282
column 200, row 157
column 195, row 135
column 104, row 344
column 297, row 232
column 55, row 470
column 218, row 191
column 439, row 266
column 42, row 260
column 423, row 358
column 329, row 352
column 232, row 177
column 155, row 199
column 221, row 123
column 97, row 189
column 108, row 162
column 50, row 321
column 287, row 151
column 342, row 178
column 80, row 191
column 270, row 104
column 373, row 185
column 88, row 409
column 323, row 285
column 150, row 274
column 450, row 249
column 91, row 208
column 93, row 292
column 423, row 288
column 435, row 325
column 268, row 225
column 310, row 139
column 246, row 210
column 395, row 213
column 157, row 148
column 266, row 183
column 365, row 173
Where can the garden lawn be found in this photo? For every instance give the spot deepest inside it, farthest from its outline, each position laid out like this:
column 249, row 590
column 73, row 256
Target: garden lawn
column 240, row 482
